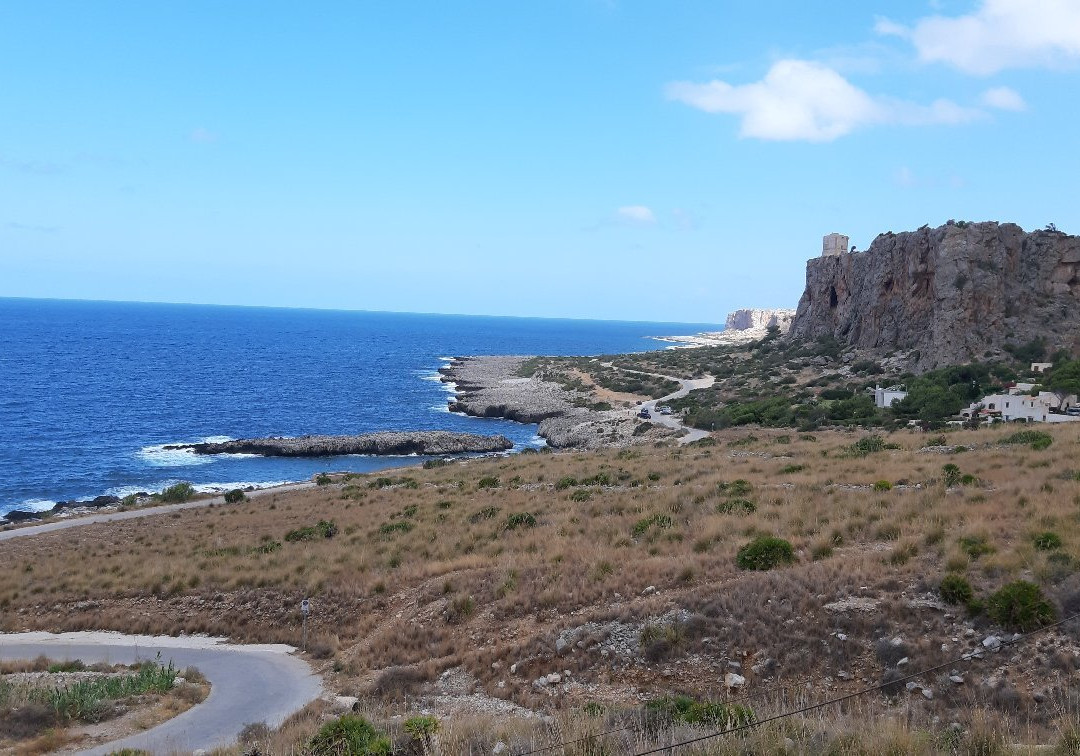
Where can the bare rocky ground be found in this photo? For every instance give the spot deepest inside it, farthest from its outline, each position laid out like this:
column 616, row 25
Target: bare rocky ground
column 493, row 387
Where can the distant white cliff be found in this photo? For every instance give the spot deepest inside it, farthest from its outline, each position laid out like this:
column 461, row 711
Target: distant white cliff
column 741, row 326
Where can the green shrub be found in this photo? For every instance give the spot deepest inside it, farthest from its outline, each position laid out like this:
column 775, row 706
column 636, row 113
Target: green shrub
column 1020, row 605
column 867, row 445
column 431, row 464
column 565, row 482
column 950, row 475
column 882, row 485
column 322, row 529
column 487, row 513
column 662, row 522
column 787, row 470
column 178, row 493
column 401, row 526
column 765, row 553
column 488, row 481
column 234, row 496
column 349, row 735
column 686, row 710
column 420, row 727
column 580, row 495
column 975, row 546
column 322, row 479
column 955, row 589
column 739, row 487
column 736, row 506
column 1047, row 541
column 1037, row 439
column 520, row 519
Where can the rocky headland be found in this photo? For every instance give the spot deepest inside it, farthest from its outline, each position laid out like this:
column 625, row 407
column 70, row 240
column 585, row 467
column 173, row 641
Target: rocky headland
column 947, row 295
column 741, row 327
column 495, row 387
column 377, row 444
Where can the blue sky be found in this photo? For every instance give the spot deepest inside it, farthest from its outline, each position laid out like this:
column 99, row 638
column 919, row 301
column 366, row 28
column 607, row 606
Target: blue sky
column 573, row 158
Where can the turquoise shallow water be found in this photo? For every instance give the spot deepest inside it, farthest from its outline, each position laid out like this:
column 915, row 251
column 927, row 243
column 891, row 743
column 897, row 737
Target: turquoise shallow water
column 91, row 391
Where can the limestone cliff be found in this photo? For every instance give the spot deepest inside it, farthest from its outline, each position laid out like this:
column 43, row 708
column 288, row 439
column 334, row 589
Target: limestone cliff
column 947, row 295
column 758, row 320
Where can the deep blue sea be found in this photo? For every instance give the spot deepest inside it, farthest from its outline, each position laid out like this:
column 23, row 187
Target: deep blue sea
column 90, row 392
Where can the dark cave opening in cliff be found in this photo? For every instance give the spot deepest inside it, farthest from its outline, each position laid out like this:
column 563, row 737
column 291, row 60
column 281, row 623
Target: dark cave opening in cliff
column 832, row 297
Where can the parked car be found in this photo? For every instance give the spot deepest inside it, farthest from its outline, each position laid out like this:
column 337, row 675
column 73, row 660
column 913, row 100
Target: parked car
column 1074, row 411
column 644, row 414
column 665, row 410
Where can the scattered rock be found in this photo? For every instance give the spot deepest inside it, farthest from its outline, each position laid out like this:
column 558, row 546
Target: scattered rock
column 733, row 680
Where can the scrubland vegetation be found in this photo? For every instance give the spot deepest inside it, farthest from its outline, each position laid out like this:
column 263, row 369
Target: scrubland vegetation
column 810, row 565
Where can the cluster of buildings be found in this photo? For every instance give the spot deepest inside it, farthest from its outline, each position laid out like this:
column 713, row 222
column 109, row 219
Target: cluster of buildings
column 1019, row 403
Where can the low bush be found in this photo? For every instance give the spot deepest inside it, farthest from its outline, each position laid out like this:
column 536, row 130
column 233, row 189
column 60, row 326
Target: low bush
column 235, row 496
column 686, row 710
column 736, row 506
column 788, row 469
column 488, row 481
column 178, row 493
column 431, row 464
column 1020, row 605
column 882, row 485
column 420, row 727
column 1047, row 541
column 565, row 482
column 520, row 519
column 322, row 529
column 975, row 546
column 955, row 589
column 950, row 475
column 765, row 553
column 737, row 487
column 580, row 495
column 349, row 735
column 486, row 513
column 1037, row 439
column 322, row 479
column 662, row 522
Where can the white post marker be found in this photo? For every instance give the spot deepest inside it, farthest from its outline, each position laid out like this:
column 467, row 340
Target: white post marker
column 305, row 610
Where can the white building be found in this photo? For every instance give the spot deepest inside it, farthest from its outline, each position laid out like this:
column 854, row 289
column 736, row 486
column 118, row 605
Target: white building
column 887, row 397
column 1046, row 407
column 834, row 245
column 1040, row 367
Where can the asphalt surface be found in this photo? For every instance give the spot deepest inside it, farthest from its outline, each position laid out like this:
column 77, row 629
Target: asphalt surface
column 248, row 683
column 77, row 521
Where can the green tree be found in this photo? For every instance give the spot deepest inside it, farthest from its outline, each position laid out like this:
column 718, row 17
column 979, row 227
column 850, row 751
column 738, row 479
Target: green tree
column 1065, row 380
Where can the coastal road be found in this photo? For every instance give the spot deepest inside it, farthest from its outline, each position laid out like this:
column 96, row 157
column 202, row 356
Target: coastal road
column 671, row 421
column 249, row 683
column 77, row 521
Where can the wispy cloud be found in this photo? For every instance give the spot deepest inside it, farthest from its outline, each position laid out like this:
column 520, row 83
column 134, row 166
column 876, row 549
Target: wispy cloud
column 636, row 214
column 1004, row 98
column 202, row 135
column 1000, row 34
column 40, row 167
column 805, row 100
column 32, row 227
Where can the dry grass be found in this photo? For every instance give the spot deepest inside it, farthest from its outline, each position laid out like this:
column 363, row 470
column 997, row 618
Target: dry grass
column 430, row 575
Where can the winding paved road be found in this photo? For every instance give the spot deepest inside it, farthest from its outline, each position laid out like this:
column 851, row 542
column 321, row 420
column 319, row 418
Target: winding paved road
column 248, row 683
column 671, row 421
column 76, row 520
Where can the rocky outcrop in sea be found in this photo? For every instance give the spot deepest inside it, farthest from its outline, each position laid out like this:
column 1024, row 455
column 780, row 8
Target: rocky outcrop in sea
column 947, row 295
column 376, row 444
column 741, row 327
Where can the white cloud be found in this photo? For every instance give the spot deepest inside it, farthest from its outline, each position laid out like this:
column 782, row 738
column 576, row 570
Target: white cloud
column 1004, row 98
column 203, row 136
column 804, row 100
column 1000, row 34
column 636, row 214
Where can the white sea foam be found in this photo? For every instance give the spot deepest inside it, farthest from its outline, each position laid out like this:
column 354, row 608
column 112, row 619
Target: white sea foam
column 36, row 505
column 158, row 456
column 222, row 487
column 440, row 408
column 447, row 359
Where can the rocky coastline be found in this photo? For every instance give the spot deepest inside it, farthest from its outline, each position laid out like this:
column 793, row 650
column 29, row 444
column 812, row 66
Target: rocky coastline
column 387, row 443
column 495, row 387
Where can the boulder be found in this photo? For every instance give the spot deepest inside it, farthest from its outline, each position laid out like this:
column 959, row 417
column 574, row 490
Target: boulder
column 378, row 444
